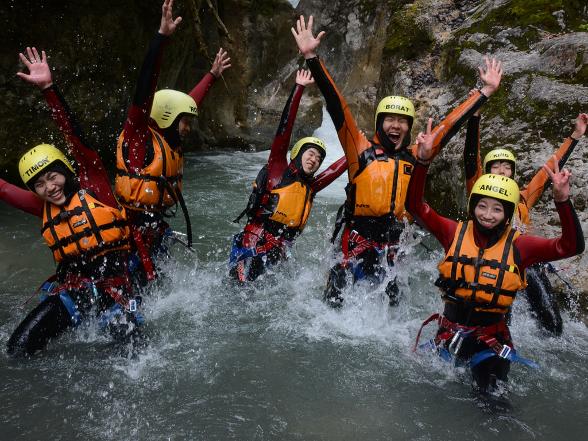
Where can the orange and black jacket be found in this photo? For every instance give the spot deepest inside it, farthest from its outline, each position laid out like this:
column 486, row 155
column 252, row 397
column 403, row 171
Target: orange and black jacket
column 283, row 194
column 531, row 193
column 136, row 145
column 364, row 157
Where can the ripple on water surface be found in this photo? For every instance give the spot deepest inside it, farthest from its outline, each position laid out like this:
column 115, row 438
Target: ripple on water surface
column 271, row 360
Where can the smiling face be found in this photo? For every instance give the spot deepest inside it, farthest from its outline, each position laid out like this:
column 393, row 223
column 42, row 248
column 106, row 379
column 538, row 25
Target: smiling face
column 49, row 187
column 311, row 160
column 502, row 168
column 395, row 127
column 489, row 212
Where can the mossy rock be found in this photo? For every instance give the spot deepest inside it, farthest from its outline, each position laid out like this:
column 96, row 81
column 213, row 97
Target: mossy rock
column 408, row 39
column 533, row 16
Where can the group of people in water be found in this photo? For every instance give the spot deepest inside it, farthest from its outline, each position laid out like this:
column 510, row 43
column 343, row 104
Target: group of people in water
column 106, row 242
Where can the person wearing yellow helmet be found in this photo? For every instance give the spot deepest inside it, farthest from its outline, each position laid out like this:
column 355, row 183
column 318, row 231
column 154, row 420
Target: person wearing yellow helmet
column 282, row 196
column 484, row 265
column 83, row 225
column 379, row 170
column 503, row 162
column 539, row 292
column 149, row 153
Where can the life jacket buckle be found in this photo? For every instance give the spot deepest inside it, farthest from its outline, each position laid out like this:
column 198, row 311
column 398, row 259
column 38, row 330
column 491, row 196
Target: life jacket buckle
column 353, row 236
column 132, row 305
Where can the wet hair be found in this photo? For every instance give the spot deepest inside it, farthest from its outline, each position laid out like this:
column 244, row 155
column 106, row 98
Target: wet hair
column 386, row 143
column 172, row 133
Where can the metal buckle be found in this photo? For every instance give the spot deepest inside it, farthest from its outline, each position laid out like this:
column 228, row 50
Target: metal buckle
column 353, row 234
column 456, row 342
column 132, row 305
column 505, row 351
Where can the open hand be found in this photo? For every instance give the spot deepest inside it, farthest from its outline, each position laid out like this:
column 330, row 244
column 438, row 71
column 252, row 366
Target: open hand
column 580, row 126
column 560, row 179
column 221, row 62
column 491, row 76
column 168, row 24
column 39, row 72
column 304, row 77
column 307, row 43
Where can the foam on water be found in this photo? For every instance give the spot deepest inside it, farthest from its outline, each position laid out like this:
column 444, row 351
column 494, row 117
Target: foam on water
column 270, row 360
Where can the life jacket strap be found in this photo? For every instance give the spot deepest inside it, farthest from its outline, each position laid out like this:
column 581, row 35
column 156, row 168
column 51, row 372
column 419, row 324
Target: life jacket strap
column 143, row 253
column 360, row 245
column 114, row 286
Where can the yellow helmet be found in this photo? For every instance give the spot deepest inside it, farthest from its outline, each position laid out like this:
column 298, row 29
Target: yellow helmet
column 497, row 187
column 499, row 155
column 395, row 104
column 36, row 160
column 316, row 143
column 168, row 104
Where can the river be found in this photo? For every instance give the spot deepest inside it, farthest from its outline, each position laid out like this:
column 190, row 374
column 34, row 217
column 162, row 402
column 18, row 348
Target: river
column 270, row 361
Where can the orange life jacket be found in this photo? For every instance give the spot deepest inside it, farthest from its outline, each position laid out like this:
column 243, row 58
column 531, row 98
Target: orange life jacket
column 84, row 227
column 294, row 202
column 154, row 188
column 381, row 186
column 288, row 204
column 487, row 278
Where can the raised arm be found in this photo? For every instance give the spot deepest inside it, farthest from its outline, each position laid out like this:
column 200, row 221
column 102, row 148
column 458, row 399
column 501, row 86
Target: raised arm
column 490, row 76
column 471, row 153
column 535, row 188
column 534, row 249
column 327, row 176
column 24, row 200
column 221, row 62
column 278, row 162
column 91, row 171
column 441, row 227
column 136, row 127
column 351, row 138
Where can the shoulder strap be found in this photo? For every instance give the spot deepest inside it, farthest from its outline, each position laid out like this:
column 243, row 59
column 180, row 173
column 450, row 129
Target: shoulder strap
column 256, row 195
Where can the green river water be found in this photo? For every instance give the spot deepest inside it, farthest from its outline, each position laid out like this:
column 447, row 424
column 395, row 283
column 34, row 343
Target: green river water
column 270, row 361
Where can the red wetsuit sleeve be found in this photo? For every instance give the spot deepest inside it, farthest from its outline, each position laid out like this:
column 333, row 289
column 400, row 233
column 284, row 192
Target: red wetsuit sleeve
column 533, row 249
column 471, row 153
column 277, row 162
column 91, row 171
column 24, row 200
column 534, row 189
column 136, row 128
column 327, row 176
column 441, row 227
column 201, row 89
column 352, row 140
